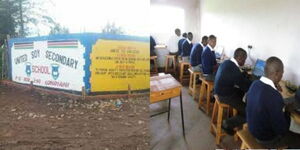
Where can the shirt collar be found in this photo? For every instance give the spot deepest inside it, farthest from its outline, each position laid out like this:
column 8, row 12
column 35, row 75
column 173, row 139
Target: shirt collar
column 189, row 41
column 201, row 44
column 233, row 60
column 268, row 82
column 210, row 47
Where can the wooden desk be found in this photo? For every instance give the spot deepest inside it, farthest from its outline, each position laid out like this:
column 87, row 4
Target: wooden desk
column 286, row 94
column 166, row 87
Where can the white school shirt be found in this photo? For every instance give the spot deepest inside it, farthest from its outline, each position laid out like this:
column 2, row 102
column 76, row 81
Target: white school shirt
column 173, row 43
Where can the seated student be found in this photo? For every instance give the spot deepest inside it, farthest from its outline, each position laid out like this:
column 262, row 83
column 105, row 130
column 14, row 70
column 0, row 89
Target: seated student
column 184, row 36
column 208, row 58
column 173, row 42
column 230, row 85
column 267, row 121
column 187, row 46
column 152, row 45
column 196, row 54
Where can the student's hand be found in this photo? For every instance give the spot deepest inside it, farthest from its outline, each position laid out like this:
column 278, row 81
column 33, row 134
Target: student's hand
column 278, row 87
column 245, row 74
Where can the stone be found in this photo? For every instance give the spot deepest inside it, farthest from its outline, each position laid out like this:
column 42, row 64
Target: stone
column 140, row 122
column 127, row 124
column 30, row 114
column 96, row 103
column 13, row 110
column 130, row 115
column 20, row 117
column 89, row 133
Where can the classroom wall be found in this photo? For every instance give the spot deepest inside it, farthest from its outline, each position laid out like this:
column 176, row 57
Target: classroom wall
column 270, row 26
column 191, row 17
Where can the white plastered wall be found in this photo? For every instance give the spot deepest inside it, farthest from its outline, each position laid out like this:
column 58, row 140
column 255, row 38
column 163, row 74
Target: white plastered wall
column 191, row 17
column 272, row 27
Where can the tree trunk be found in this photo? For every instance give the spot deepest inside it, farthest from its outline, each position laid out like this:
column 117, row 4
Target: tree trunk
column 22, row 32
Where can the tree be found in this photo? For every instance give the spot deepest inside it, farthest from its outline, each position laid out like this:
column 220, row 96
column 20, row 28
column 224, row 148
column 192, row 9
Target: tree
column 7, row 17
column 20, row 17
column 112, row 29
column 58, row 29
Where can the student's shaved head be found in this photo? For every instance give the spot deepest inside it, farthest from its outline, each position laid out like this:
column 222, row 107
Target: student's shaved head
column 240, row 55
column 239, row 52
column 274, row 69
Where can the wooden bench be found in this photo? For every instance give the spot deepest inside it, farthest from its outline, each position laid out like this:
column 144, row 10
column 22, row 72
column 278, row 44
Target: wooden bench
column 155, row 69
column 249, row 142
column 168, row 68
column 217, row 118
column 182, row 67
column 193, row 85
column 205, row 89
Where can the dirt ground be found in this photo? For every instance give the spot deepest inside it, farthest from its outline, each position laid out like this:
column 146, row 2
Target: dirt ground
column 30, row 120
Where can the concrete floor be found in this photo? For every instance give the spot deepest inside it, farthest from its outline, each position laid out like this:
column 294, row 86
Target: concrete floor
column 168, row 136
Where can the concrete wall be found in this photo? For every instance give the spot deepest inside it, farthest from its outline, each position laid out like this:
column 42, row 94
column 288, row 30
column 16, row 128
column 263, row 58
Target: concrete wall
column 270, row 26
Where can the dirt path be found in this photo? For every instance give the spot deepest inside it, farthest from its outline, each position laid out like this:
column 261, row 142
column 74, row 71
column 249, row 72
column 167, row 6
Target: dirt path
column 29, row 120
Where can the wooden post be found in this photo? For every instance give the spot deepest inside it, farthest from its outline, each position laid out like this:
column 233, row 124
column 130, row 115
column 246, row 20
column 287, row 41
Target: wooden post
column 31, row 86
column 2, row 65
column 129, row 89
column 83, row 93
column 5, row 63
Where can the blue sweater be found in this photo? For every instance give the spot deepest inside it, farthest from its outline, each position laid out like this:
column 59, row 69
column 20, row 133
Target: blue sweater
column 229, row 75
column 208, row 58
column 265, row 117
column 180, row 46
column 196, row 54
column 152, row 45
column 186, row 48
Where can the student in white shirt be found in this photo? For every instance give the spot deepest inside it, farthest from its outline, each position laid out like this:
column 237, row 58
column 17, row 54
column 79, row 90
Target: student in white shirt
column 173, row 42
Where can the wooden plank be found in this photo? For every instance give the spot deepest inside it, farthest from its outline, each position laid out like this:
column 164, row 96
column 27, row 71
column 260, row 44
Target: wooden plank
column 164, row 95
column 161, row 83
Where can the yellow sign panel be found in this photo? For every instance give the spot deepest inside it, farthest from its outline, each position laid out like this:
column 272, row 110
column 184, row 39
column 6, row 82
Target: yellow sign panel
column 117, row 65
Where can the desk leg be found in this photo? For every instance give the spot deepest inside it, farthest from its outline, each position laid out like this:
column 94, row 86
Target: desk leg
column 169, row 109
column 182, row 114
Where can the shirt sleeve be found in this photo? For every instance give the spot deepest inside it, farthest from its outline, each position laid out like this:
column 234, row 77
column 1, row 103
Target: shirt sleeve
column 240, row 80
column 214, row 61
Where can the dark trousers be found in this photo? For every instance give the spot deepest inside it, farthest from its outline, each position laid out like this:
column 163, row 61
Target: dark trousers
column 236, row 101
column 152, row 53
column 176, row 53
column 209, row 77
column 290, row 139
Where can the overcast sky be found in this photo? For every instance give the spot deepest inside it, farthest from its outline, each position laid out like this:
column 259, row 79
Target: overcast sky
column 92, row 15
